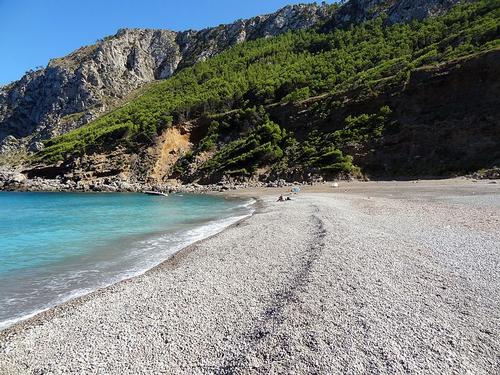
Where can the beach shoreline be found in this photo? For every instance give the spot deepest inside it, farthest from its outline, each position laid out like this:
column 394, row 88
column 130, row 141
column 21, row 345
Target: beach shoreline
column 22, row 323
column 373, row 197
column 45, row 315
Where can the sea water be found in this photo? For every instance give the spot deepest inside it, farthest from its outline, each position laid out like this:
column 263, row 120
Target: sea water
column 54, row 247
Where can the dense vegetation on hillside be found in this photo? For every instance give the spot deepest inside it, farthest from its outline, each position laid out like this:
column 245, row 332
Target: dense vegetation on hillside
column 292, row 67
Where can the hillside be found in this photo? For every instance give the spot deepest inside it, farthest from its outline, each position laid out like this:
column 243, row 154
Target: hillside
column 75, row 90
column 377, row 99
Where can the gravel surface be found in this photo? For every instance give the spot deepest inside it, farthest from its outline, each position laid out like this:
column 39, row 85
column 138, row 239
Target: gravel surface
column 326, row 283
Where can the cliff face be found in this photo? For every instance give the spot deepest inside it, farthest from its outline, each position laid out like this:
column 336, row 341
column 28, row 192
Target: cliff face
column 74, row 90
column 450, row 119
column 397, row 11
column 78, row 88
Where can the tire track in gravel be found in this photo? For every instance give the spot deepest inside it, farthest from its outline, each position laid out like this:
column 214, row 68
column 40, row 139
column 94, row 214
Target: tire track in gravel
column 275, row 315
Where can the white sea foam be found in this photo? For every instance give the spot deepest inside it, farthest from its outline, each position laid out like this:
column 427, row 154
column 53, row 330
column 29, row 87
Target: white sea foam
column 152, row 252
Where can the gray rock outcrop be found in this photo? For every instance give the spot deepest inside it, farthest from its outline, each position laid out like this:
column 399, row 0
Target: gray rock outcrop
column 397, row 11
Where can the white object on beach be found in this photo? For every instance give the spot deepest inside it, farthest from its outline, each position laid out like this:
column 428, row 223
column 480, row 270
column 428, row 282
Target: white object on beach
column 156, row 193
column 335, row 185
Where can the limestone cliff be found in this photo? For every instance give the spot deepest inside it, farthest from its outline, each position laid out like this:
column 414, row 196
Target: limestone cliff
column 397, row 11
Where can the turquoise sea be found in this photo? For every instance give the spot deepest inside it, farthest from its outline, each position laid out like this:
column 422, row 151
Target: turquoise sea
column 54, row 247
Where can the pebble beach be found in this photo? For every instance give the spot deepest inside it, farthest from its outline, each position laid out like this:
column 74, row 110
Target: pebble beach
column 399, row 278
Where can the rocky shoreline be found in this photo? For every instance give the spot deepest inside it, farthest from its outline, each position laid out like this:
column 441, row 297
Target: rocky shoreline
column 16, row 180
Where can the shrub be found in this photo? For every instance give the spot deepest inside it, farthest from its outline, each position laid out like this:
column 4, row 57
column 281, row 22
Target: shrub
column 298, row 95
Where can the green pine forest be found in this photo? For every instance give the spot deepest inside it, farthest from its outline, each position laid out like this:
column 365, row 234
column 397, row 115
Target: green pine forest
column 234, row 90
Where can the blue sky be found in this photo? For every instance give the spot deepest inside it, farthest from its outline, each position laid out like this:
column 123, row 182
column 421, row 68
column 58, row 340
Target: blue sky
column 34, row 31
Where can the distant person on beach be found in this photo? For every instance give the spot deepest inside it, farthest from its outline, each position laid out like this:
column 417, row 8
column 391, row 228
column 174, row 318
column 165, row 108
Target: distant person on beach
column 281, row 199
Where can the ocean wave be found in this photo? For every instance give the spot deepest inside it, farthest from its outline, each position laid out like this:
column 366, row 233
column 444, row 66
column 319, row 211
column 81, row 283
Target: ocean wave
column 142, row 257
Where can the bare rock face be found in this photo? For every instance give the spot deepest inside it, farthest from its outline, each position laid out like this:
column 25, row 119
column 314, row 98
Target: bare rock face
column 397, row 11
column 206, row 43
column 408, row 10
column 76, row 89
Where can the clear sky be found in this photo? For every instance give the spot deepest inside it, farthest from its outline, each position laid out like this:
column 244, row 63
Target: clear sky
column 34, row 31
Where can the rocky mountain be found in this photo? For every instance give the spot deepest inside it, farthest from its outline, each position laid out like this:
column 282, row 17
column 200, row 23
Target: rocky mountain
column 397, row 11
column 76, row 89
column 447, row 122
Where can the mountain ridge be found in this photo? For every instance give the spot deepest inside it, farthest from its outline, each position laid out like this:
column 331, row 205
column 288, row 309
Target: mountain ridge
column 370, row 100
column 75, row 90
column 92, row 79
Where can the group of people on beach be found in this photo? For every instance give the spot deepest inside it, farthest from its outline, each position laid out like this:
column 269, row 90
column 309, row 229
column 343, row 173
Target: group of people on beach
column 283, row 199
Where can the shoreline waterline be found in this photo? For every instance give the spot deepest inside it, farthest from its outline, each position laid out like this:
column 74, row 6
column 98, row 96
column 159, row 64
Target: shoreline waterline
column 170, row 249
